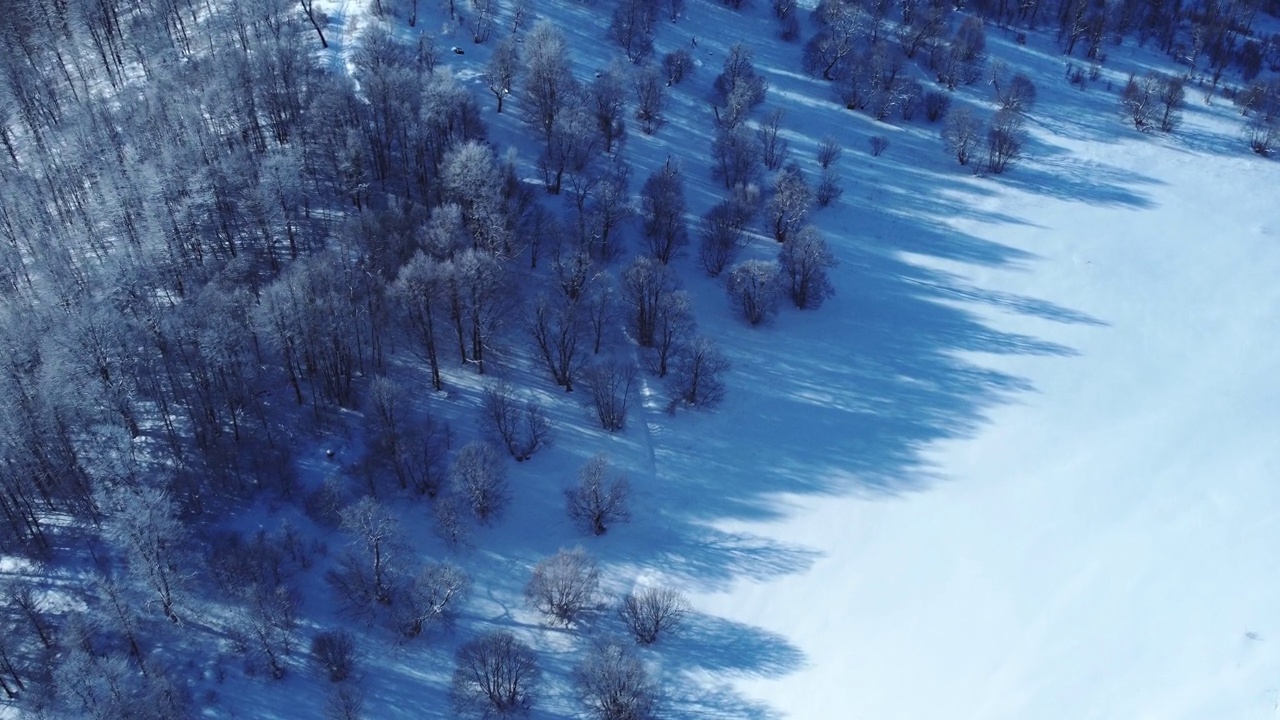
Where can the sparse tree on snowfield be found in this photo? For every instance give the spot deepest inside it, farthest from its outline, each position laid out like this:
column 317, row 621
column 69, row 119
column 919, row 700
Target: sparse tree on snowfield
column 804, row 261
column 829, row 189
column 721, row 237
column 500, row 74
column 962, row 134
column 613, row 684
column 735, row 157
column 662, row 210
column 738, row 88
column 774, row 148
column 607, row 98
column 334, row 653
column 632, row 27
column 1262, row 133
column 753, row 288
column 432, row 598
column 1004, row 140
column 610, row 385
column 698, row 378
column 677, row 65
column 479, row 478
column 674, row 325
column 1017, row 93
column 345, row 702
column 559, row 328
column 522, row 426
column 1153, row 100
column 564, row 585
column 789, row 205
column 495, row 675
column 651, row 99
column 653, row 612
column 600, row 498
column 646, row 284
column 936, row 105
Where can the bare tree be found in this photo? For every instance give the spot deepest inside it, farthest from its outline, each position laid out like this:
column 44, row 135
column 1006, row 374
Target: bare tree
column 422, row 293
column 1152, row 96
column 662, row 210
column 789, row 204
column 369, row 572
column 646, row 284
column 143, row 523
column 738, row 88
column 774, row 148
column 432, row 598
column 651, row 99
column 936, row 105
column 522, row 426
column 962, row 134
column 753, row 288
column 698, row 380
column 610, row 386
column 1004, row 140
column 564, row 585
column 829, row 188
column 600, row 498
column 735, row 157
column 722, row 229
column 559, row 329
column 1017, row 94
column 316, row 18
column 653, row 612
column 631, row 26
column 804, row 261
column 479, row 478
column 334, row 653
column 613, row 684
column 495, row 675
column 607, row 98
column 500, row 73
column 677, row 65
column 549, row 82
column 345, row 702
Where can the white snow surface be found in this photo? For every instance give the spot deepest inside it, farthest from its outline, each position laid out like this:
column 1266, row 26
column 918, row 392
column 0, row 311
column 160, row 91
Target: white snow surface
column 1023, row 466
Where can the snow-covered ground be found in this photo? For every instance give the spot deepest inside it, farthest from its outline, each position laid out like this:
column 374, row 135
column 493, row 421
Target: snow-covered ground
column 1101, row 545
column 1023, row 466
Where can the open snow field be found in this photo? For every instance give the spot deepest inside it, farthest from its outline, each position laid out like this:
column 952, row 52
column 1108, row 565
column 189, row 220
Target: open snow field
column 1031, row 452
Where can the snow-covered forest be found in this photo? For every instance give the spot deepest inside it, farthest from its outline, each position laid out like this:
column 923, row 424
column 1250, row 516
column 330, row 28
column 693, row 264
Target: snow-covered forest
column 630, row 359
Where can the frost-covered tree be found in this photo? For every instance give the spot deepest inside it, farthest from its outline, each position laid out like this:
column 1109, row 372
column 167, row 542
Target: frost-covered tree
column 142, row 522
column 479, row 479
column 612, row 683
column 500, row 73
column 564, row 586
column 677, row 65
column 789, row 203
column 549, row 85
column 607, row 99
column 738, row 88
column 804, row 261
column 495, row 675
column 600, row 498
column 752, row 286
column 653, row 612
column 431, row 598
column 962, row 135
column 370, row 570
